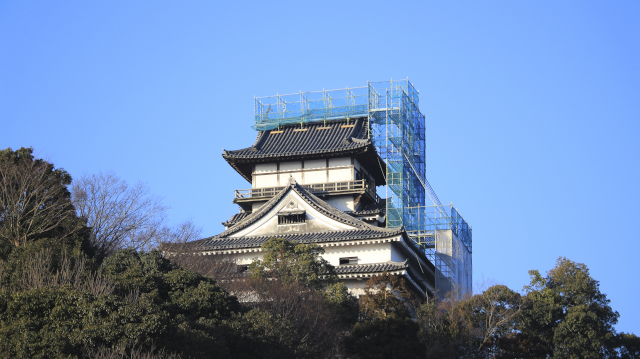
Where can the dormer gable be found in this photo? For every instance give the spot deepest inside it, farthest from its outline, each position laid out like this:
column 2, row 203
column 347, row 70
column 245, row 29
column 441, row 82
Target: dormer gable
column 294, row 204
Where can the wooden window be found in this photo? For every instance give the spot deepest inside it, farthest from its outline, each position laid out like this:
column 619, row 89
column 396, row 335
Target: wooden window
column 291, row 218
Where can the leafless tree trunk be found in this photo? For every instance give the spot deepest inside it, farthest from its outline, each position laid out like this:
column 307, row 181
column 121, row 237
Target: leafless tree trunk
column 33, row 199
column 120, row 216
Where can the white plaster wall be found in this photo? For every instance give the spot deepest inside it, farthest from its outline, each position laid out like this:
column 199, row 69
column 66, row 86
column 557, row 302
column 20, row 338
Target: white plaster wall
column 315, row 176
column 338, row 175
column 290, row 166
column 284, row 178
column 247, row 258
column 266, row 167
column 315, row 163
column 340, row 162
column 343, row 203
column 396, row 254
column 266, row 181
column 366, row 253
column 256, row 205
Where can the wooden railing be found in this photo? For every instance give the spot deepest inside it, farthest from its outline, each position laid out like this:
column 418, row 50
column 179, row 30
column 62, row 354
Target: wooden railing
column 316, row 188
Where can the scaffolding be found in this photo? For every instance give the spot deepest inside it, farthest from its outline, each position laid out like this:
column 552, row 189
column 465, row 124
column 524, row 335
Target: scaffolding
column 397, row 129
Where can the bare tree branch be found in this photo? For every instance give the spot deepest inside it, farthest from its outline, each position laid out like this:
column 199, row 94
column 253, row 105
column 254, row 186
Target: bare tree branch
column 120, row 216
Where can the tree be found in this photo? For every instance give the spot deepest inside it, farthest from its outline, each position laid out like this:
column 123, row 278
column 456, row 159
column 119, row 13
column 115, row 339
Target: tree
column 445, row 329
column 391, row 337
column 386, row 329
column 147, row 302
column 34, row 200
column 568, row 316
column 494, row 314
column 297, row 286
column 123, row 216
column 291, row 262
column 385, row 295
column 629, row 345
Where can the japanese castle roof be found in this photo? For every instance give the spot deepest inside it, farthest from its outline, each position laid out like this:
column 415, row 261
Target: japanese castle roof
column 360, row 230
column 369, row 209
column 314, row 140
column 372, row 268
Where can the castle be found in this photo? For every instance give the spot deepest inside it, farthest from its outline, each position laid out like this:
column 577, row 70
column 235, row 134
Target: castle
column 316, row 168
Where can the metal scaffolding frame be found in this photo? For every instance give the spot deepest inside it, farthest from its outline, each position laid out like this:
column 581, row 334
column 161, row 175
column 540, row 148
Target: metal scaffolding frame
column 397, row 128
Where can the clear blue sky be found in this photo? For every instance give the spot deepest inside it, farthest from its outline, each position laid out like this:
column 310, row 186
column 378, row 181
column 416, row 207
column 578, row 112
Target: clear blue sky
column 532, row 107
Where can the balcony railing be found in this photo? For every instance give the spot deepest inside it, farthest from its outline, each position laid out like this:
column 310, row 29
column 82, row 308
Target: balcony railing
column 316, row 188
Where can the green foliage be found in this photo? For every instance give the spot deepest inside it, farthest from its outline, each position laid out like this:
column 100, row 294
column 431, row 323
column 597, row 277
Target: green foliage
column 386, row 329
column 291, row 262
column 562, row 315
column 391, row 337
column 261, row 334
column 385, row 296
column 629, row 345
column 176, row 290
column 300, row 289
column 58, row 302
column 153, row 303
column 59, row 321
column 342, row 303
column 34, row 201
column 569, row 316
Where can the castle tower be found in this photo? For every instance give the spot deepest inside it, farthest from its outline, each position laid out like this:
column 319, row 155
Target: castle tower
column 315, row 171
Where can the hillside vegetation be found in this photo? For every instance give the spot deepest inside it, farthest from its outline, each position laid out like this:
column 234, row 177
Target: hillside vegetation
column 81, row 276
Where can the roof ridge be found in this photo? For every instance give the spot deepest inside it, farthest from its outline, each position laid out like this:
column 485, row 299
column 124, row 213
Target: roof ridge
column 259, row 141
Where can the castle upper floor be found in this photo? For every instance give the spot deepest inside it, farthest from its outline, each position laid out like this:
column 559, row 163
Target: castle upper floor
column 317, row 152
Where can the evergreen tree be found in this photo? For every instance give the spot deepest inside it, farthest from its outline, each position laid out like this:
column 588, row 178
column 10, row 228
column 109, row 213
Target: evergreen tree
column 568, row 316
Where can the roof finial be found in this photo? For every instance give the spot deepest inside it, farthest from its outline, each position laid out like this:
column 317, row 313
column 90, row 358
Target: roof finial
column 292, row 180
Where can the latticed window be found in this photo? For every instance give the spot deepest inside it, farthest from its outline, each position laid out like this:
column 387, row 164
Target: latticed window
column 291, row 218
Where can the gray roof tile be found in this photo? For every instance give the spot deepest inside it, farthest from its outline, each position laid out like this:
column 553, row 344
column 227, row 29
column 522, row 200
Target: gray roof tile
column 372, row 267
column 315, row 142
column 236, row 218
column 214, row 243
column 370, row 209
column 291, row 142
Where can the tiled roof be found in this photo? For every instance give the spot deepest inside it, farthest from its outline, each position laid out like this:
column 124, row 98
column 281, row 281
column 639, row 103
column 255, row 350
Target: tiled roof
column 318, row 204
column 362, row 230
column 235, row 218
column 370, row 209
column 214, row 243
column 333, row 139
column 313, row 140
column 372, row 268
